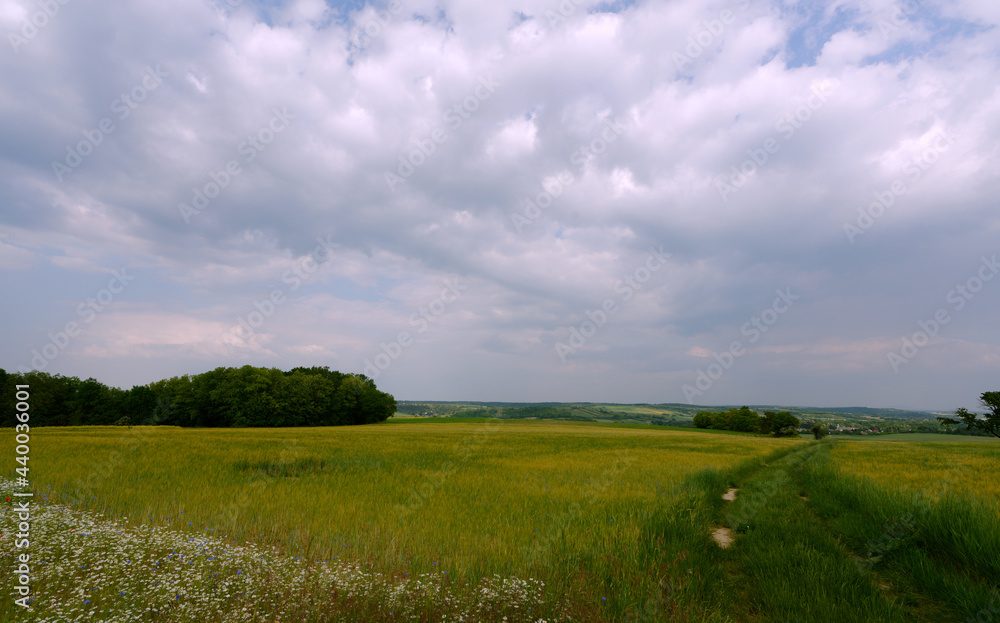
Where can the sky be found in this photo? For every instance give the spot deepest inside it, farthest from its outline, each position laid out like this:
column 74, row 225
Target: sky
column 736, row 202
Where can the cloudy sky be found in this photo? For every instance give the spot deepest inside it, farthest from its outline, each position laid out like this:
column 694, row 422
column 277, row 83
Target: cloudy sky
column 750, row 201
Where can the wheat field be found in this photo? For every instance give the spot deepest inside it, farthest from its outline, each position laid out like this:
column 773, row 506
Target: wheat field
column 564, row 507
column 967, row 468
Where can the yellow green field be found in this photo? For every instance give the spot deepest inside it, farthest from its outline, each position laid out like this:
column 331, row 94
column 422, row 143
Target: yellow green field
column 503, row 520
column 932, row 467
column 567, row 504
column 474, row 498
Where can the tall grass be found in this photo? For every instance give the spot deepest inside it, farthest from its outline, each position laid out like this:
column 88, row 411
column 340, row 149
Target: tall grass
column 931, row 468
column 478, row 519
column 785, row 564
column 937, row 550
column 589, row 510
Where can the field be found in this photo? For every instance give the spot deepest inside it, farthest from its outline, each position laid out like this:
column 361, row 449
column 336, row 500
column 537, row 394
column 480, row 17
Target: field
column 927, row 466
column 488, row 520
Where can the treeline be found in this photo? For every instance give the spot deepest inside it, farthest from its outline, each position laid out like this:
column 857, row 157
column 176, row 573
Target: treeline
column 224, row 397
column 779, row 424
column 57, row 400
column 543, row 413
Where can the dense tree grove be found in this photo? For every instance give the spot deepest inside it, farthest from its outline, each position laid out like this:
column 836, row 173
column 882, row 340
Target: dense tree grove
column 744, row 419
column 238, row 397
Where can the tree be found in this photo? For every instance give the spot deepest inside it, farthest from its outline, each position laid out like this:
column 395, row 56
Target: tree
column 377, row 406
column 243, row 397
column 780, row 424
column 990, row 424
column 819, row 431
column 139, row 404
column 51, row 398
column 744, row 420
column 92, row 403
column 703, row 419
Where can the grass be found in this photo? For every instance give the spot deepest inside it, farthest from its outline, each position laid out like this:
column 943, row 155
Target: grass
column 790, row 567
column 931, row 468
column 815, row 544
column 477, row 520
column 93, row 567
column 938, row 556
column 566, row 504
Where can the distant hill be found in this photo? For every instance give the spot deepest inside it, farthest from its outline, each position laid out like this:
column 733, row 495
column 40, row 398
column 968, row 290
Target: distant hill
column 674, row 414
column 882, row 413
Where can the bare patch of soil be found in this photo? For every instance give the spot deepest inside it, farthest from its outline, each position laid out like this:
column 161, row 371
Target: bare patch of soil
column 723, row 536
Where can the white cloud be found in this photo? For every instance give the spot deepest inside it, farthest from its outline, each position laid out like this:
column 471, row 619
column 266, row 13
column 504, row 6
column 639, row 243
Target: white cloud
column 356, row 109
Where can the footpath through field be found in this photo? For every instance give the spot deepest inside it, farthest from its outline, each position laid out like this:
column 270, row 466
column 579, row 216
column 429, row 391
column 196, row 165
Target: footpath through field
column 802, row 542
